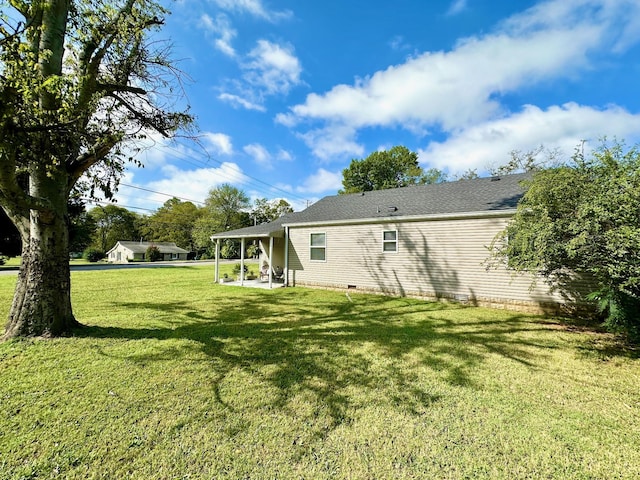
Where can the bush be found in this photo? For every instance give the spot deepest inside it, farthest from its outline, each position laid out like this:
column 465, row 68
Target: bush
column 229, row 250
column 236, row 269
column 93, row 254
column 620, row 311
column 253, row 251
column 153, row 254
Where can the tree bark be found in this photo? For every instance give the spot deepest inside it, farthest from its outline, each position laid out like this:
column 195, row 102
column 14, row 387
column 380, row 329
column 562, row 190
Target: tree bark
column 42, row 299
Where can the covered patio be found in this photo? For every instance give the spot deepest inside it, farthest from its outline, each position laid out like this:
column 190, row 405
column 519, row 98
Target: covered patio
column 254, row 283
column 273, row 246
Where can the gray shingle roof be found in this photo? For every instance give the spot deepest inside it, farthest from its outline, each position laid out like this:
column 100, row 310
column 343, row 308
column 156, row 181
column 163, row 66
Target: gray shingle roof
column 480, row 195
column 141, row 247
column 271, row 229
column 464, row 197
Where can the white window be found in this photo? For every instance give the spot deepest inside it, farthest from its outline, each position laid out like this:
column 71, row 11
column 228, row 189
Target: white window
column 174, row 256
column 390, row 241
column 318, row 247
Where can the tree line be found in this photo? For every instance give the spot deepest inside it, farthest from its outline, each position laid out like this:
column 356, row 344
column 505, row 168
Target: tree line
column 95, row 231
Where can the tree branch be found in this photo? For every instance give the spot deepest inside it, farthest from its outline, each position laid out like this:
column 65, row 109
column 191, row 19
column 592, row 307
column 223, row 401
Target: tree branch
column 115, row 88
column 140, row 117
column 89, row 158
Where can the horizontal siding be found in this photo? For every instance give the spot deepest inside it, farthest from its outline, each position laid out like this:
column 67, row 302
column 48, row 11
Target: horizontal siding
column 435, row 258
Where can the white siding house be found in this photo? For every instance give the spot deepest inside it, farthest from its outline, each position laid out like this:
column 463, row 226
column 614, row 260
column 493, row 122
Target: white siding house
column 125, row 251
column 427, row 241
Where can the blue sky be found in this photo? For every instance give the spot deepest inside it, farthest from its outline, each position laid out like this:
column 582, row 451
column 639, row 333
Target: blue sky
column 286, row 93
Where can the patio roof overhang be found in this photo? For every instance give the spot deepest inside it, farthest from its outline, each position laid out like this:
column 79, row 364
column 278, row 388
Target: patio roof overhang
column 259, row 231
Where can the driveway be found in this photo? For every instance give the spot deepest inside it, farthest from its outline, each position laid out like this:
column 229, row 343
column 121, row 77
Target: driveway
column 120, row 266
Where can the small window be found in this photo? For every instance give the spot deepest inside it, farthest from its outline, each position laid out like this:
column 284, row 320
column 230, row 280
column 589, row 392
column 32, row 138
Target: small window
column 390, row 241
column 318, row 247
column 174, row 256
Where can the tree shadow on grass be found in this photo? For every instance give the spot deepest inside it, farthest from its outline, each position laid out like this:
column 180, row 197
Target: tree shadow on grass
column 305, row 343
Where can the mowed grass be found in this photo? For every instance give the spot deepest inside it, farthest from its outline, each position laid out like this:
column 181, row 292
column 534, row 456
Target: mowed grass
column 175, row 377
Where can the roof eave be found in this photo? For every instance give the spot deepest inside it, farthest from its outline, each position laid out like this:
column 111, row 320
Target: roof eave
column 274, row 234
column 409, row 218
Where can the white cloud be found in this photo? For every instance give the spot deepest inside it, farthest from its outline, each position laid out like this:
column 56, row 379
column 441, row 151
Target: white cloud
column 272, row 67
column 259, row 154
column 268, row 69
column 453, row 90
column 238, row 101
column 191, row 184
column 222, row 29
column 321, row 181
column 219, row 142
column 284, row 155
column 488, row 144
column 332, row 141
column 253, row 7
column 456, row 7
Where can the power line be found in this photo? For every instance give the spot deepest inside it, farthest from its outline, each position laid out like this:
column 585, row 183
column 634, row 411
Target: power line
column 161, row 193
column 100, row 202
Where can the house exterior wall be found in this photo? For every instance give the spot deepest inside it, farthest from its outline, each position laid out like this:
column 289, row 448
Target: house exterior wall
column 121, row 254
column 278, row 252
column 434, row 259
column 174, row 256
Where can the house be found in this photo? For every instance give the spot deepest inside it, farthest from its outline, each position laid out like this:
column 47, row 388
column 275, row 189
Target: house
column 125, row 251
column 427, row 241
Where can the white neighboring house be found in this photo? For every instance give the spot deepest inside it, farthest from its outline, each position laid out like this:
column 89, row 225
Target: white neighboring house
column 124, row 251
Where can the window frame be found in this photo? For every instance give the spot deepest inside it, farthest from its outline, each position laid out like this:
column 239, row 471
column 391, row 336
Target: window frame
column 388, row 242
column 317, row 247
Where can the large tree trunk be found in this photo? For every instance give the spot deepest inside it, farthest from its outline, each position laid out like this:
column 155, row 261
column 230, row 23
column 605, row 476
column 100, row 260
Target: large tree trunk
column 42, row 300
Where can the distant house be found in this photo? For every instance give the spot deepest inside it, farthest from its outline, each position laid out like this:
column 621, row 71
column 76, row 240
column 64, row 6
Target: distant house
column 427, row 241
column 125, row 251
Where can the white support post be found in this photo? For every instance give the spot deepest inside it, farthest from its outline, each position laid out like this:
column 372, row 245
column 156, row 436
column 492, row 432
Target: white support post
column 217, row 267
column 242, row 262
column 270, row 262
column 286, row 256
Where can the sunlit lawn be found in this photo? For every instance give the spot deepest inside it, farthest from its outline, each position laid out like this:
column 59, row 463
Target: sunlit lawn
column 16, row 261
column 175, row 377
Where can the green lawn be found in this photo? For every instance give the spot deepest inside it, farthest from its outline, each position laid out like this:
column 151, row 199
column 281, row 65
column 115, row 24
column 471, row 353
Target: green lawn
column 175, row 377
column 16, row 261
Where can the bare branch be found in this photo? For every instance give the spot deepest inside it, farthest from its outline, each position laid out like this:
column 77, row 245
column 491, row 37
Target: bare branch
column 113, row 88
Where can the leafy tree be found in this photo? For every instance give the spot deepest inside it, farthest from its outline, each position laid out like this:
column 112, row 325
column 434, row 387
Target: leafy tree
column 173, row 222
column 79, row 81
column 433, row 176
column 265, row 211
column 469, row 174
column 230, row 249
column 226, row 208
column 529, row 161
column 81, row 225
column 112, row 223
column 397, row 167
column 584, row 218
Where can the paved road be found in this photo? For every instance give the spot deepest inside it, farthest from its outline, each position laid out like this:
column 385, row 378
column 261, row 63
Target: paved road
column 120, row 266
